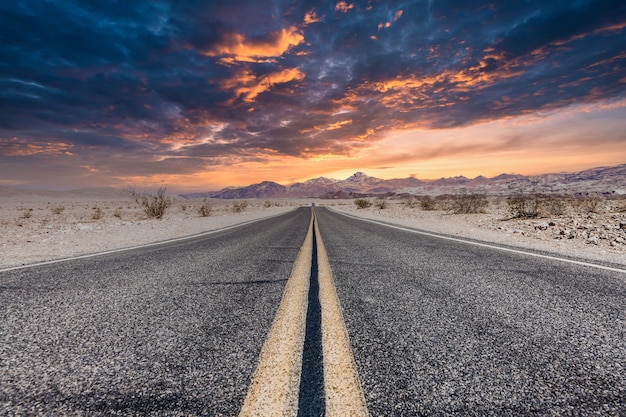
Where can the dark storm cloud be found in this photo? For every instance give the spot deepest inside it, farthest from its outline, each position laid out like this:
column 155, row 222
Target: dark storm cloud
column 176, row 81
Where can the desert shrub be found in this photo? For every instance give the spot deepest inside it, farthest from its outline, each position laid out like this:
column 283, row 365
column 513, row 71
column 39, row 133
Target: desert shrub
column 524, row 206
column 362, row 203
column 555, row 206
column 205, row 209
column 118, row 213
column 381, row 203
column 468, row 203
column 183, row 207
column 58, row 210
column 267, row 204
column 239, row 207
column 97, row 213
column 154, row 205
column 586, row 205
column 428, row 203
column 27, row 214
column 411, row 202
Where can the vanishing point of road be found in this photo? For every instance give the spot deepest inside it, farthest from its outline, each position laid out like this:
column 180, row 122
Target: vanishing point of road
column 313, row 313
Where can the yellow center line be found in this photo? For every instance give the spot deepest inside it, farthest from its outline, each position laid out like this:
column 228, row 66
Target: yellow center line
column 344, row 394
column 276, row 380
column 275, row 383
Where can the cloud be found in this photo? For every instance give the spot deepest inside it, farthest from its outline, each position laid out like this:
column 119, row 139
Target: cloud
column 160, row 83
column 343, row 6
column 237, row 47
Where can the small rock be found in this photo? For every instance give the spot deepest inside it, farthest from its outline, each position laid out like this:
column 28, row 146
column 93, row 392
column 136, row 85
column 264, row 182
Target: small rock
column 622, row 225
column 592, row 240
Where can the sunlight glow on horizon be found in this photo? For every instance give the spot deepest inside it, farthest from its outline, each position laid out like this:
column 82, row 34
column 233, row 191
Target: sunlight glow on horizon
column 569, row 140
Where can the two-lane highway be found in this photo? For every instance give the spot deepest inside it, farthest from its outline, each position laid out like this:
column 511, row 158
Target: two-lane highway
column 446, row 328
column 383, row 322
column 167, row 330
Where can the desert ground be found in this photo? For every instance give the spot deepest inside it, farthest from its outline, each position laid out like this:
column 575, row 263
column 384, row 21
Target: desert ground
column 42, row 227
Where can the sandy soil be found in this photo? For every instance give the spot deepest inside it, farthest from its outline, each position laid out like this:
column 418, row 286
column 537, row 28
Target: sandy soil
column 39, row 228
column 597, row 236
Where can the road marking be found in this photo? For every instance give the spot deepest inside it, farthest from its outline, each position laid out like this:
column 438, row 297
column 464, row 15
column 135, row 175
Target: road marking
column 275, row 384
column 486, row 245
column 147, row 245
column 344, row 394
column 276, row 380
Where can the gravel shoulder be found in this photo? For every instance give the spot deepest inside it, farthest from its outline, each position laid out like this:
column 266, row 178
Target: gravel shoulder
column 42, row 229
column 593, row 236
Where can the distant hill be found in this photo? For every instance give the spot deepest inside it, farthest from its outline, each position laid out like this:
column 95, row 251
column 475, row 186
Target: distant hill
column 608, row 180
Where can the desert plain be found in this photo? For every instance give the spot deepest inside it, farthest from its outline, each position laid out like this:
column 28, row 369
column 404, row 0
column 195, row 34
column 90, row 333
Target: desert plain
column 38, row 226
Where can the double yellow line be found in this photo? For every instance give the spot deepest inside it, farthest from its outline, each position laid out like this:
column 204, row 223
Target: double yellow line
column 275, row 384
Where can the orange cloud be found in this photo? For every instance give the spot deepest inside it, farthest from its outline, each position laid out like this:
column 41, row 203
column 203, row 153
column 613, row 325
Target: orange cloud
column 246, row 85
column 21, row 147
column 343, row 7
column 236, row 47
column 311, row 17
column 339, row 125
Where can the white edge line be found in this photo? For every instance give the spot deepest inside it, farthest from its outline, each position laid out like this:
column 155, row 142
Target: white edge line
column 486, row 245
column 147, row 245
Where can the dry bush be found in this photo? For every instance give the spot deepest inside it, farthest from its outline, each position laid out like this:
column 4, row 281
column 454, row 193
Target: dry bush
column 428, row 203
column 554, row 206
column 267, row 204
column 27, row 214
column 411, row 202
column 586, row 205
column 154, row 205
column 381, row 203
column 239, row 207
column 362, row 203
column 58, row 210
column 469, row 203
column 524, row 206
column 97, row 213
column 205, row 209
column 118, row 213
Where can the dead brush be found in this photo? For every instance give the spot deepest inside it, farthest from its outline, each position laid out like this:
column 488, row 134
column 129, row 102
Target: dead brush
column 362, row 203
column 205, row 209
column 154, row 205
column 587, row 205
column 469, row 203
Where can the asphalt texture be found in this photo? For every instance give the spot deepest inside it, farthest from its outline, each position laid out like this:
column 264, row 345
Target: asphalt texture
column 441, row 328
column 170, row 330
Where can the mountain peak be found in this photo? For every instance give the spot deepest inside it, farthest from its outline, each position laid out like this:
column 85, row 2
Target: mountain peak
column 359, row 175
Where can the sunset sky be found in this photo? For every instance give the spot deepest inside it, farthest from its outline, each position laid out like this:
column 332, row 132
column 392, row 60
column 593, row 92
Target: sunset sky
column 199, row 95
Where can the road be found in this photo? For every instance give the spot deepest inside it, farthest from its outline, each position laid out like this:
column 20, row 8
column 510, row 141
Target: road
column 436, row 327
column 444, row 328
column 168, row 330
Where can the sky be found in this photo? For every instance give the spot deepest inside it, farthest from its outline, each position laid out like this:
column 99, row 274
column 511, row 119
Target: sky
column 198, row 95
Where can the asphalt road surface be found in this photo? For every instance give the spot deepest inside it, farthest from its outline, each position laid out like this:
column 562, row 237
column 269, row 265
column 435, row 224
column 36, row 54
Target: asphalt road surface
column 437, row 327
column 444, row 328
column 168, row 331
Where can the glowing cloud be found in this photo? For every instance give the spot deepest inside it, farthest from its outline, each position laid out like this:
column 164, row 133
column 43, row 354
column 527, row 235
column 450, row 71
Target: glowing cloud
column 311, row 17
column 247, row 86
column 343, row 7
column 235, row 46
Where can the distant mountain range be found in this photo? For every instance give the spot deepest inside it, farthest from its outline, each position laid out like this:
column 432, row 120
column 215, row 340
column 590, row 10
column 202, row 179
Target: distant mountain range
column 608, row 180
